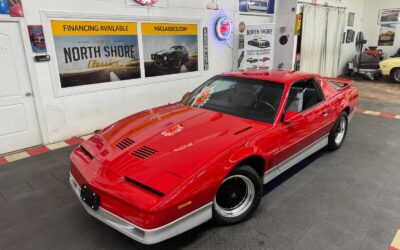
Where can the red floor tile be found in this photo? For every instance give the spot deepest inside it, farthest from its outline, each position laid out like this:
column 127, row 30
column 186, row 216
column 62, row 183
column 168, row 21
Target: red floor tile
column 74, row 141
column 2, row 161
column 388, row 115
column 360, row 110
column 37, row 151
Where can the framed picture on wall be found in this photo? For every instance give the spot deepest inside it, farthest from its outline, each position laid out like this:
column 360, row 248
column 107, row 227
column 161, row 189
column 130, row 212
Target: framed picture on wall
column 256, row 7
column 350, row 36
column 169, row 48
column 387, row 35
column 389, row 16
column 350, row 19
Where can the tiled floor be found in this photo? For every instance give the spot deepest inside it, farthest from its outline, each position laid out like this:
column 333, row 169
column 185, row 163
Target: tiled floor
column 348, row 199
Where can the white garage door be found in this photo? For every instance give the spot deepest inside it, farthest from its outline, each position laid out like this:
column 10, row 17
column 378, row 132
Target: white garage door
column 18, row 121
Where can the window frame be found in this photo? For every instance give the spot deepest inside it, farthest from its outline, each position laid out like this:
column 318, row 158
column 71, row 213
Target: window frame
column 316, row 84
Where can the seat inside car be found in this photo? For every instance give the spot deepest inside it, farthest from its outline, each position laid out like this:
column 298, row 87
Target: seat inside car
column 245, row 95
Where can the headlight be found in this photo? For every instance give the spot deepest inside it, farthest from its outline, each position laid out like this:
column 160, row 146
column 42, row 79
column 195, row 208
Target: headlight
column 165, row 58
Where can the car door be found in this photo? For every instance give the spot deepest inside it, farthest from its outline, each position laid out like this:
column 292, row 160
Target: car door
column 305, row 98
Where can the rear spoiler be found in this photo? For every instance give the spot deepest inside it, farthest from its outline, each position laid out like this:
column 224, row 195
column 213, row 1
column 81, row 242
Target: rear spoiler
column 339, row 83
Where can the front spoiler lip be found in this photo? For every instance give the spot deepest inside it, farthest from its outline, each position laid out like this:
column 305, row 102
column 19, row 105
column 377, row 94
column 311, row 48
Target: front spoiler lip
column 147, row 236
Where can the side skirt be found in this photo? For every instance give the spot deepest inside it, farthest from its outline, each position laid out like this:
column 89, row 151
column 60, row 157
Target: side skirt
column 298, row 157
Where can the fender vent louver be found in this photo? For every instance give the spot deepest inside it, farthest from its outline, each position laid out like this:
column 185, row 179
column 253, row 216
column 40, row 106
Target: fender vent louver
column 96, row 139
column 144, row 152
column 124, row 143
column 156, row 192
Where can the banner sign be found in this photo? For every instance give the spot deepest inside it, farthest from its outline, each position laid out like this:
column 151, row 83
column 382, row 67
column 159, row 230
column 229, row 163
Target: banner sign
column 90, row 52
column 205, row 48
column 258, row 47
column 169, row 48
column 257, row 6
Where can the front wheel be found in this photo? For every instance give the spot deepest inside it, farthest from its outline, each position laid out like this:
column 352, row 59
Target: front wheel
column 395, row 74
column 338, row 132
column 238, row 196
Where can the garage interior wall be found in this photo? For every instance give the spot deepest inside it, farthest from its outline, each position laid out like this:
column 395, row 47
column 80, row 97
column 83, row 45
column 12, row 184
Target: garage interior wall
column 79, row 114
column 357, row 7
column 371, row 28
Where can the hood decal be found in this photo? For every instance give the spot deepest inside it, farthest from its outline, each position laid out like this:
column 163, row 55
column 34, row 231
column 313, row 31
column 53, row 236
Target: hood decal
column 172, row 130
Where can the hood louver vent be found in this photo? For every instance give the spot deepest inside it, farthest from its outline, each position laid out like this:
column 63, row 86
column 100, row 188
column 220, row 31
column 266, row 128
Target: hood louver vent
column 144, row 152
column 124, row 143
column 96, row 139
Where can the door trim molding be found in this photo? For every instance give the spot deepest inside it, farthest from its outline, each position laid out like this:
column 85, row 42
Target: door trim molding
column 37, row 100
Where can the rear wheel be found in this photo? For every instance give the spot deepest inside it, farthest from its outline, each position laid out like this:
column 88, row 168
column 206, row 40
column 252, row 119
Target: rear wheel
column 238, row 196
column 395, row 74
column 338, row 132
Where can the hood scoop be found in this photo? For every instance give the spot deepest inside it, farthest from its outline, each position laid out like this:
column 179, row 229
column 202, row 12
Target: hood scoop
column 124, row 143
column 144, row 152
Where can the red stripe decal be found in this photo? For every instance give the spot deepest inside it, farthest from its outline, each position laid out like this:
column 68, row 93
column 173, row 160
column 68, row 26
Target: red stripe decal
column 393, row 248
column 37, row 151
column 2, row 161
column 387, row 115
column 74, row 141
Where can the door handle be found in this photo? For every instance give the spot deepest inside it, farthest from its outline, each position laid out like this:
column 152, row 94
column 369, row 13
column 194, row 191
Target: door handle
column 325, row 112
column 28, row 93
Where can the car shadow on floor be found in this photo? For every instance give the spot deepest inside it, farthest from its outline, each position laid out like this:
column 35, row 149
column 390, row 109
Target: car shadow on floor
column 189, row 238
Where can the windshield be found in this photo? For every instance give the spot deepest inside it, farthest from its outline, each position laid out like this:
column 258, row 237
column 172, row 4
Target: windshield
column 248, row 98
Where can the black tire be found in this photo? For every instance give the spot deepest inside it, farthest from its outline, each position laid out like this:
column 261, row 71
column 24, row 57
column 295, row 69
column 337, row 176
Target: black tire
column 177, row 63
column 337, row 134
column 395, row 74
column 243, row 179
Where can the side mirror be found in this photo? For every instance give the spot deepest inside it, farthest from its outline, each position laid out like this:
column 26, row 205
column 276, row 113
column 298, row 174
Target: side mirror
column 185, row 96
column 292, row 117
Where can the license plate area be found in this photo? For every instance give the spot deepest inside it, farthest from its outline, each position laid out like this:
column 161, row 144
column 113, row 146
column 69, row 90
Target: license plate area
column 90, row 197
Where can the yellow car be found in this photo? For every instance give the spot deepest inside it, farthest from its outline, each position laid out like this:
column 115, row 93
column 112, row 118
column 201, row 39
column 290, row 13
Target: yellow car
column 391, row 67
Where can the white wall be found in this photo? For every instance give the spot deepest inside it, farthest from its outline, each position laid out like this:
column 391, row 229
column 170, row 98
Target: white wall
column 67, row 116
column 357, row 7
column 371, row 28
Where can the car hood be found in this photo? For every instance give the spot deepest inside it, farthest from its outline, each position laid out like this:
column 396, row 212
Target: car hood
column 166, row 52
column 168, row 143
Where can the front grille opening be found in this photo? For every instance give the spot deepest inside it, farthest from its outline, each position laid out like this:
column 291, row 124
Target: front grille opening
column 144, row 152
column 124, row 143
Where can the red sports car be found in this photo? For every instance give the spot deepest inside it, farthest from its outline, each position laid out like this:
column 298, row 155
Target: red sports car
column 163, row 171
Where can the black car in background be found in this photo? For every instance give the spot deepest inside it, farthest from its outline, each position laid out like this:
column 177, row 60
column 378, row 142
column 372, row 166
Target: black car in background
column 259, row 43
column 172, row 58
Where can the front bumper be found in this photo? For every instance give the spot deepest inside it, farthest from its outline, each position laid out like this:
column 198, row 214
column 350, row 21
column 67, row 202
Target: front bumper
column 147, row 236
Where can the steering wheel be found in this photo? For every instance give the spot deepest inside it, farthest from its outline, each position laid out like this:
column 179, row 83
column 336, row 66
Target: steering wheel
column 267, row 104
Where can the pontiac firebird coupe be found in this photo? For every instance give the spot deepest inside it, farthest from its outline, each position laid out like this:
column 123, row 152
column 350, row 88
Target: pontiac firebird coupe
column 163, row 171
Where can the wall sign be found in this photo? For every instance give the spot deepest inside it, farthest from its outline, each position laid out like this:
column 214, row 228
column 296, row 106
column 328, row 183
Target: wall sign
column 258, row 46
column 4, row 9
column 146, row 2
column 170, row 48
column 205, row 48
column 257, row 7
column 223, row 28
column 15, row 8
column 37, row 38
column 387, row 35
column 90, row 52
column 389, row 16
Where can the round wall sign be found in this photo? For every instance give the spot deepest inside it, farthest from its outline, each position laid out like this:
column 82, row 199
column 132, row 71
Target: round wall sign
column 146, row 2
column 223, row 28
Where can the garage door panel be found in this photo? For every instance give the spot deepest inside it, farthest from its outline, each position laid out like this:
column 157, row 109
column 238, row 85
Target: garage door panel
column 9, row 86
column 14, row 120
